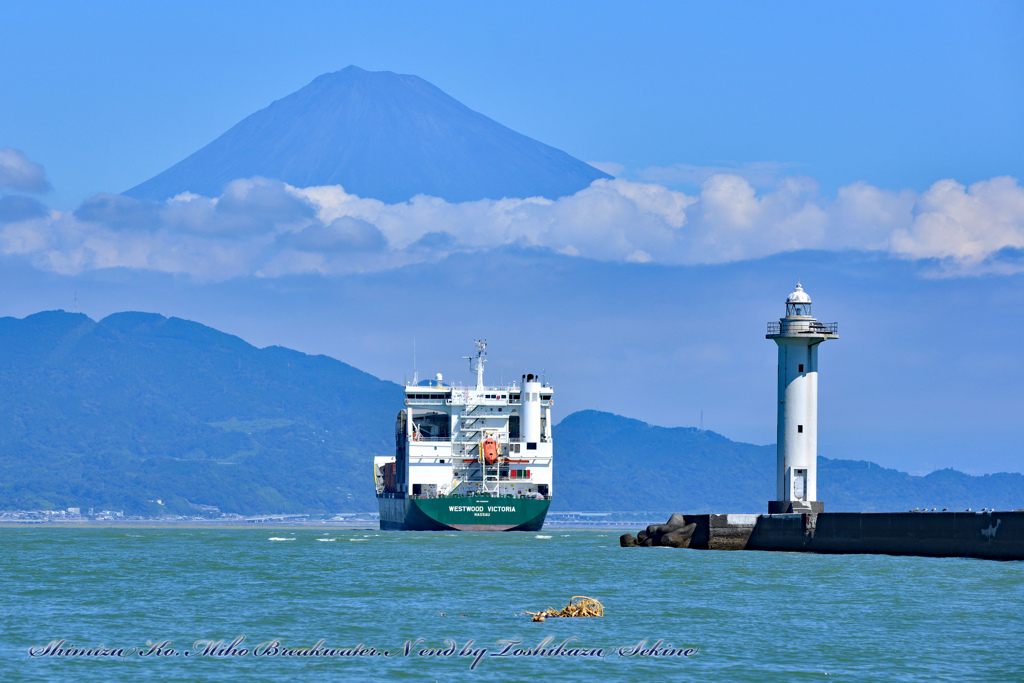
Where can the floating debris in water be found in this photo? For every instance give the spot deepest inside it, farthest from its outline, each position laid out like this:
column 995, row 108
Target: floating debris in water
column 586, row 607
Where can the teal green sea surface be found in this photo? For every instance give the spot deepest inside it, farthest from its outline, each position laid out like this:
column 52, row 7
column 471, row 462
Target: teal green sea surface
column 730, row 616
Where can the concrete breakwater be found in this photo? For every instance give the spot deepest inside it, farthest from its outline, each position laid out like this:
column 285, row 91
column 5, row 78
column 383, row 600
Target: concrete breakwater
column 986, row 535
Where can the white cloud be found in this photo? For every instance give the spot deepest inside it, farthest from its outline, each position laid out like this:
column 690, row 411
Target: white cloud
column 732, row 222
column 863, row 216
column 267, row 228
column 18, row 172
column 608, row 220
column 964, row 225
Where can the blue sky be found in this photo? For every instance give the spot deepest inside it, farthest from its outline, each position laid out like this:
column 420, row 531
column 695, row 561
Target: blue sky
column 899, row 95
column 873, row 149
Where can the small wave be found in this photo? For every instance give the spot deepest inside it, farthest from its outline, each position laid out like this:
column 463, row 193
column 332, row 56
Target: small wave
column 327, row 539
column 539, row 536
column 278, row 538
column 359, row 539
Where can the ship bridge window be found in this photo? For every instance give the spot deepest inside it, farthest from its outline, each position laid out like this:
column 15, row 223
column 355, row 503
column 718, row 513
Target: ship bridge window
column 434, row 425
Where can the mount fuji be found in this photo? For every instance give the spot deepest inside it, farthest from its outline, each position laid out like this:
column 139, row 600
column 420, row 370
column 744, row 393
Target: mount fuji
column 377, row 134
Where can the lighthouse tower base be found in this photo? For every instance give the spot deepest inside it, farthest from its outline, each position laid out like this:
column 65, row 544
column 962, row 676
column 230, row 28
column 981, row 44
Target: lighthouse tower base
column 783, row 507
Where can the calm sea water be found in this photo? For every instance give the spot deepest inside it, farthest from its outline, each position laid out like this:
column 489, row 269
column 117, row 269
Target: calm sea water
column 751, row 616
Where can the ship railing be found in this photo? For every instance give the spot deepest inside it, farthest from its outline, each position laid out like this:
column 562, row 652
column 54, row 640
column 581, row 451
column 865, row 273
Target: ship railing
column 431, row 439
column 461, row 396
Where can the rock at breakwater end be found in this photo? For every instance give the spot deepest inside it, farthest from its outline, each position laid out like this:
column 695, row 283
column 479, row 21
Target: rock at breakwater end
column 676, row 520
column 680, row 537
column 675, row 533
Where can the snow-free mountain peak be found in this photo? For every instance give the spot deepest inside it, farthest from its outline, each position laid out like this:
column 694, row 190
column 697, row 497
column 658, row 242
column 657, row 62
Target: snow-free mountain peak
column 378, row 134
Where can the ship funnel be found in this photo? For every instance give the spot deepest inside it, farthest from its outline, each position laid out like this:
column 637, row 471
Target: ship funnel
column 530, row 419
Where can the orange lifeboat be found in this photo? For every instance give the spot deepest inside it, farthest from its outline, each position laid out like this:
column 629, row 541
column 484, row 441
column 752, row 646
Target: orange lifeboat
column 490, row 449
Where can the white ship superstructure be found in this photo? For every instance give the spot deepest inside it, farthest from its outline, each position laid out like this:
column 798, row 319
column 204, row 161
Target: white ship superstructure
column 466, row 441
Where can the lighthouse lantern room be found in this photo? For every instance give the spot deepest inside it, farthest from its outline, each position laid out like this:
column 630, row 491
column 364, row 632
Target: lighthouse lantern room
column 798, row 336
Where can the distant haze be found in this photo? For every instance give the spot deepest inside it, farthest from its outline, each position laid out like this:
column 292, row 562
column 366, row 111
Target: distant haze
column 381, row 135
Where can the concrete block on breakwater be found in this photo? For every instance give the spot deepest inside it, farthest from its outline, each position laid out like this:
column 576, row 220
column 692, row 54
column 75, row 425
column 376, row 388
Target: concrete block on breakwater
column 987, row 535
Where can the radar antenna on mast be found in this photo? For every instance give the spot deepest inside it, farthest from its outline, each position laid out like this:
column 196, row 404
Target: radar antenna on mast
column 476, row 363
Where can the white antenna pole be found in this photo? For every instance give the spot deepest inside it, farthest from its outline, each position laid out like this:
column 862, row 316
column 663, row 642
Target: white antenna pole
column 476, row 363
column 481, row 358
column 415, row 374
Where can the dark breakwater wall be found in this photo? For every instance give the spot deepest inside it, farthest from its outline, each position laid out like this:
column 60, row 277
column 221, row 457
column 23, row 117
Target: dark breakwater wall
column 986, row 535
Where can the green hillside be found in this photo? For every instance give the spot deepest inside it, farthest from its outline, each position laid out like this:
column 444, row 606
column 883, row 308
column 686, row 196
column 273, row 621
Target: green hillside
column 608, row 462
column 138, row 407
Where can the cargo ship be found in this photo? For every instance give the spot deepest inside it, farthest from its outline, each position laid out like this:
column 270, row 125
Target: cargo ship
column 469, row 458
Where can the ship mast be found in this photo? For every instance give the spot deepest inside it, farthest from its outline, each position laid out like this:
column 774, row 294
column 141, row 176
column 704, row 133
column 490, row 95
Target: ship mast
column 476, row 363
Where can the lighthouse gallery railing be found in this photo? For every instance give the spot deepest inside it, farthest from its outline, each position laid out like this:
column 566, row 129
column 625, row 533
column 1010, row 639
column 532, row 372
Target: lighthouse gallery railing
column 800, row 327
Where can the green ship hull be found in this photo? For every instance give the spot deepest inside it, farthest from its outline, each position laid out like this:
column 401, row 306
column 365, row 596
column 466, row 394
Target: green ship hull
column 474, row 513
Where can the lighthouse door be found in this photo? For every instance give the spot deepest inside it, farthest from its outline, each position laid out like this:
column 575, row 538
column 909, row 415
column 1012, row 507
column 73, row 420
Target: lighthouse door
column 800, row 485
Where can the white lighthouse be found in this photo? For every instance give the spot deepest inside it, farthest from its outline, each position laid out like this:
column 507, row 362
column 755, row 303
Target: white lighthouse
column 798, row 336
